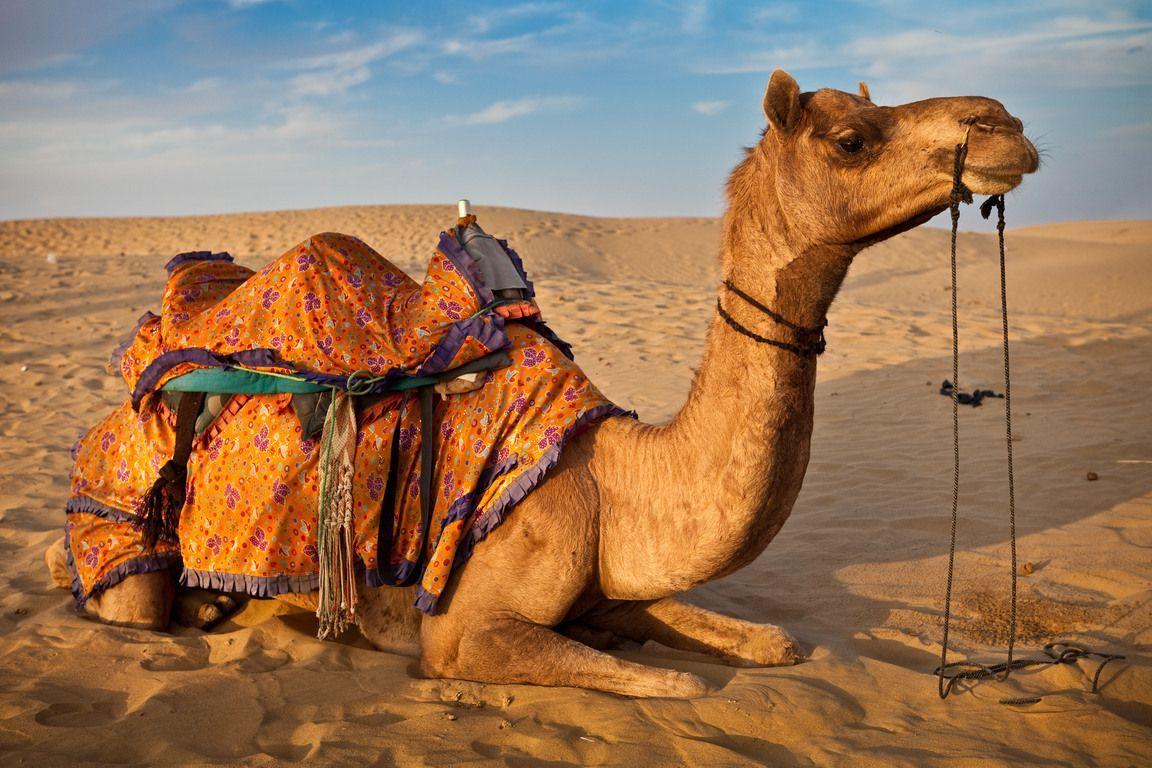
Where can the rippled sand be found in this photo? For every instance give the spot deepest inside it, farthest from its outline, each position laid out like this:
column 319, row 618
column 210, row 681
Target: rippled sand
column 857, row 573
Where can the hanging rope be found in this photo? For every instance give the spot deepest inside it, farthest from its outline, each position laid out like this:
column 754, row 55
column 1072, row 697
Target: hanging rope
column 959, row 194
column 949, row 673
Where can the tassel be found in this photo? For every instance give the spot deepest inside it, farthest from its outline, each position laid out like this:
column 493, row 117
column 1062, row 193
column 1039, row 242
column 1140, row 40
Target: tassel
column 158, row 516
column 160, row 509
column 336, row 607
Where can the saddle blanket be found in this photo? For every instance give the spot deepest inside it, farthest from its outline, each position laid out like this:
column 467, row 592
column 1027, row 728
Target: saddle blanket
column 329, row 309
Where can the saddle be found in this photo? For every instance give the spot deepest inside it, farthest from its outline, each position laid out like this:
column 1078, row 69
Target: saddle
column 312, row 426
column 199, row 397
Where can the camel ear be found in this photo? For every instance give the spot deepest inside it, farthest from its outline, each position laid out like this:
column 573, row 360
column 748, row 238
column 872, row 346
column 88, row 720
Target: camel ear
column 864, row 90
column 782, row 102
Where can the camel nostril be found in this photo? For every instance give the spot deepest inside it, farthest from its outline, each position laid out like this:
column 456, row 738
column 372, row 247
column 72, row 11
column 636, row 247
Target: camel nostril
column 992, row 123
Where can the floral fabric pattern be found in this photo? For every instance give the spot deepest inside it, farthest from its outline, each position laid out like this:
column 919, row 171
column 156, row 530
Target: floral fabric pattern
column 326, row 309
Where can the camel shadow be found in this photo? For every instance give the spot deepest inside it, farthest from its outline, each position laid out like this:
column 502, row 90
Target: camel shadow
column 874, row 512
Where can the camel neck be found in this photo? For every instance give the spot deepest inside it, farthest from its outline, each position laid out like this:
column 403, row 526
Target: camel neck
column 747, row 425
column 706, row 493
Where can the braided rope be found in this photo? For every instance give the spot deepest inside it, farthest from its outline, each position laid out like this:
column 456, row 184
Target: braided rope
column 948, row 674
column 810, row 341
column 959, row 193
column 985, row 209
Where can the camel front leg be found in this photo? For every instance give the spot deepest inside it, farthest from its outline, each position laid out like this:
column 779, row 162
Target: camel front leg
column 690, row 628
column 512, row 650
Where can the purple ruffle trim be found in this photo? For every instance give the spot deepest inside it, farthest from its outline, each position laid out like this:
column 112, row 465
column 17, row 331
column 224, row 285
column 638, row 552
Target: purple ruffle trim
column 466, row 265
column 117, row 355
column 271, row 586
column 489, row 332
column 142, row 564
column 184, row 258
column 90, row 506
column 518, row 263
column 257, row 586
column 400, row 572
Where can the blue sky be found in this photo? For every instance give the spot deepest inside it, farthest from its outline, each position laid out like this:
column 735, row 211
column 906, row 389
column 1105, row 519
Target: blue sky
column 121, row 107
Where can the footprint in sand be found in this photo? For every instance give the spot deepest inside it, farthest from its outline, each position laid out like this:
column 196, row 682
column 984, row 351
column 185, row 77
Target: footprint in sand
column 68, row 714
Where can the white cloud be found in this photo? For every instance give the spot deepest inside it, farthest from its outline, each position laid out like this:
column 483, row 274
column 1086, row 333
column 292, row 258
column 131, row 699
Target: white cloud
column 1068, row 50
column 240, row 5
column 446, row 78
column 484, row 21
column 480, row 49
column 503, row 111
column 334, row 73
column 572, row 36
column 330, row 82
column 923, row 43
column 205, row 84
column 710, row 107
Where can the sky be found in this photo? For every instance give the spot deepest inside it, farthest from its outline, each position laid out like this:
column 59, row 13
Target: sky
column 123, row 107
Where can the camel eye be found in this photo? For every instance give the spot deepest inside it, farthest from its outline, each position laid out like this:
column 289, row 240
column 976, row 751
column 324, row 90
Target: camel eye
column 851, row 144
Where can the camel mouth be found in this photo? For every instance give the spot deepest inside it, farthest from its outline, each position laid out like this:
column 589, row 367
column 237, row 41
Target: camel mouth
column 993, row 181
column 1005, row 169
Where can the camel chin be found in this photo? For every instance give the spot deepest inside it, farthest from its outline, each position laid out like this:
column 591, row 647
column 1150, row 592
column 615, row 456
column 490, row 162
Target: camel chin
column 990, row 183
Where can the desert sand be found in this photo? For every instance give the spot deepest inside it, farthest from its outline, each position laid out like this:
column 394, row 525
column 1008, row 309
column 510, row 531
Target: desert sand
column 857, row 574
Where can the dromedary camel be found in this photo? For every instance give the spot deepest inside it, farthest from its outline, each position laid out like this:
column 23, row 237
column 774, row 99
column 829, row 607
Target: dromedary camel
column 634, row 513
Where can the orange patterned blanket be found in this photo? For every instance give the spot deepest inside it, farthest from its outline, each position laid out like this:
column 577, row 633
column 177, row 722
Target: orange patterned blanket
column 326, row 310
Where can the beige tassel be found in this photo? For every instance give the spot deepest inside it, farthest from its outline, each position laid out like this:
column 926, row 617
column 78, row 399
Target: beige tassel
column 336, row 607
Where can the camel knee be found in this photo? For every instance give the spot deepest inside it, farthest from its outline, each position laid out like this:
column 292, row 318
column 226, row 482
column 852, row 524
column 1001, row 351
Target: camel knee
column 388, row 620
column 439, row 651
column 448, row 649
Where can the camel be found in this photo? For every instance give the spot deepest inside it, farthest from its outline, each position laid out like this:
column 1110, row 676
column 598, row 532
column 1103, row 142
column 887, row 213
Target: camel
column 635, row 514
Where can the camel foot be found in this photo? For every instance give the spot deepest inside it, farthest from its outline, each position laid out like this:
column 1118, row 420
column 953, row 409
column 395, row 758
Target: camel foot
column 689, row 628
column 141, row 601
column 203, row 609
column 765, row 646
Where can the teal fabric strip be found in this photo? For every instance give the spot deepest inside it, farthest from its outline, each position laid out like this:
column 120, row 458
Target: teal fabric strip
column 237, row 382
column 233, row 381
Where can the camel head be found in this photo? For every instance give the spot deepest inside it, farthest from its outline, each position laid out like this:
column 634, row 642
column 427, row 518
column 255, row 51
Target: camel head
column 841, row 170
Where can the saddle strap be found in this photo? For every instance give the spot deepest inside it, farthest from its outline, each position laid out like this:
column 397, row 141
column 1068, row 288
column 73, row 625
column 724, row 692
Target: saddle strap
column 159, row 516
column 387, row 534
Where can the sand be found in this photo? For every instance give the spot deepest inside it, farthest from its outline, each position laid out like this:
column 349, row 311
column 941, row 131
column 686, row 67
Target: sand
column 857, row 573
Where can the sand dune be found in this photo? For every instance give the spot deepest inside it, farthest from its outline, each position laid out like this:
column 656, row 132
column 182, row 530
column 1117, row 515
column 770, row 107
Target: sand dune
column 857, row 573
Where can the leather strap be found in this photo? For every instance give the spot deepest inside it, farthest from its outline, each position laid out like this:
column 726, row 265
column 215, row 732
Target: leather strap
column 159, row 516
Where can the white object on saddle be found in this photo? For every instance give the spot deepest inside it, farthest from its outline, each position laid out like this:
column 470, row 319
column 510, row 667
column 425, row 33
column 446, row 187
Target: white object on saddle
column 464, row 383
column 499, row 272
